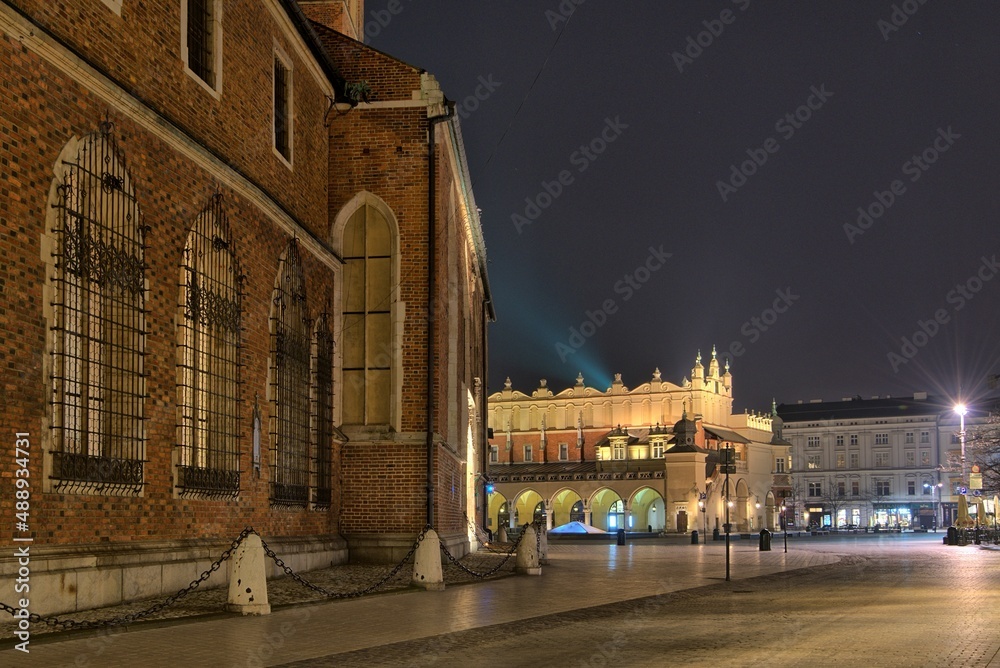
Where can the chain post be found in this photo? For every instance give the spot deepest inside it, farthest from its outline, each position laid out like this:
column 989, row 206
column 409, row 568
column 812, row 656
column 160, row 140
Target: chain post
column 71, row 624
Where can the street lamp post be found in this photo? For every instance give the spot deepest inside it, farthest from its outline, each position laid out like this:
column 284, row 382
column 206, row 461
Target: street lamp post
column 936, row 502
column 704, row 519
column 962, row 410
column 784, row 525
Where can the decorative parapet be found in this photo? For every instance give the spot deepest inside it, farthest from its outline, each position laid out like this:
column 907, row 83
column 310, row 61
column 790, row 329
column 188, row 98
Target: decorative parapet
column 596, row 476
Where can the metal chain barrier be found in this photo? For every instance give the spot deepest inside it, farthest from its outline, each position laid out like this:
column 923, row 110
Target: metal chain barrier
column 353, row 594
column 71, row 624
column 490, row 572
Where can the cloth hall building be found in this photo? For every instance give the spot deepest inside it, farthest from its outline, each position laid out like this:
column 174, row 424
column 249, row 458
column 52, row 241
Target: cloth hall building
column 643, row 459
column 243, row 283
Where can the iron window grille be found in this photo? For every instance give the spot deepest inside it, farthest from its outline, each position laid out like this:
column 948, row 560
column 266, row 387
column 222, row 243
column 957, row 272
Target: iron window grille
column 322, row 491
column 209, row 351
column 99, row 330
column 290, row 360
column 200, row 39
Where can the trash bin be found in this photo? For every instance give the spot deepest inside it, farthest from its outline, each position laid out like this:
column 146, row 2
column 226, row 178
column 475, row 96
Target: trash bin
column 715, row 533
column 765, row 540
column 694, row 537
column 953, row 535
column 621, row 536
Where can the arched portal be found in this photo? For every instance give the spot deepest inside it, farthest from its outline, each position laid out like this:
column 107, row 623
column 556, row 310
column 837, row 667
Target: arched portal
column 525, row 504
column 567, row 506
column 497, row 514
column 647, row 510
column 607, row 510
column 742, row 518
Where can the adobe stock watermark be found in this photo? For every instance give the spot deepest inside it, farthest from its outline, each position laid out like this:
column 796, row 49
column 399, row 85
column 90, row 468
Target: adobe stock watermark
column 898, row 17
column 626, row 286
column 786, row 126
column 914, row 168
column 754, row 328
column 695, row 45
column 581, row 159
column 469, row 104
column 957, row 297
column 562, row 13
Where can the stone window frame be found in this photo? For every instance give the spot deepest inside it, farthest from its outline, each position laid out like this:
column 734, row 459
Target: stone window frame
column 212, row 14
column 290, row 387
column 209, row 346
column 281, row 60
column 397, row 307
column 87, row 463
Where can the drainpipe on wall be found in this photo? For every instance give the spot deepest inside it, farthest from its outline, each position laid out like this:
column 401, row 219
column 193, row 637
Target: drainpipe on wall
column 431, row 225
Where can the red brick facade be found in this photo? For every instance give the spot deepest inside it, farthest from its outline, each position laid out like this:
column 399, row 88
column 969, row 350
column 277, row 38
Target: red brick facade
column 70, row 66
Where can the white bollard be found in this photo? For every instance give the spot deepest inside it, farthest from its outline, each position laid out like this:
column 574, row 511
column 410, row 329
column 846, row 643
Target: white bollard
column 247, row 581
column 503, row 534
column 527, row 553
column 427, row 563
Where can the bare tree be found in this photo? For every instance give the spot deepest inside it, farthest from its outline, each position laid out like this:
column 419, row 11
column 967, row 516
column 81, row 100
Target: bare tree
column 982, row 447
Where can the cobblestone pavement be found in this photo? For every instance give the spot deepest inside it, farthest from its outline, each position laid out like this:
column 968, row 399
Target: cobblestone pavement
column 881, row 601
column 905, row 605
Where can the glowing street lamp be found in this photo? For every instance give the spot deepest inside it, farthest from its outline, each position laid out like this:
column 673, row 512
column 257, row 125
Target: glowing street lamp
column 961, row 410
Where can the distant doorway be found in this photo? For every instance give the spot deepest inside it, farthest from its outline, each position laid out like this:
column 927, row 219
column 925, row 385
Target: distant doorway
column 682, row 521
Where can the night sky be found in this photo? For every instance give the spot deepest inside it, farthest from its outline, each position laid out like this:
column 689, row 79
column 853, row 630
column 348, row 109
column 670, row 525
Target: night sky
column 600, row 144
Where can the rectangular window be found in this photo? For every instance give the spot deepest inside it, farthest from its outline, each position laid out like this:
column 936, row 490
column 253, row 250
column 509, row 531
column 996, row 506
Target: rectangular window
column 882, row 459
column 563, row 452
column 882, row 488
column 779, row 465
column 841, row 489
column 813, row 461
column 855, row 460
column 841, row 460
column 657, row 449
column 925, row 457
column 855, row 488
column 282, row 107
column 909, row 437
column 812, row 441
column 911, row 487
column 201, row 40
column 925, row 437
column 840, row 440
column 911, row 458
column 494, row 454
column 882, row 438
column 854, row 439
column 815, row 489
column 618, row 451
column 527, row 453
